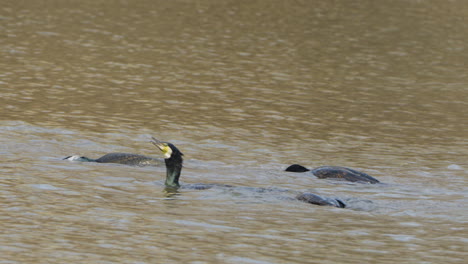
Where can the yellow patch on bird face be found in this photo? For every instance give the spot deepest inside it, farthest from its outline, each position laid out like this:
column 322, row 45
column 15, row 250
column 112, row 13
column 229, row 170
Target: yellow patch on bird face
column 166, row 150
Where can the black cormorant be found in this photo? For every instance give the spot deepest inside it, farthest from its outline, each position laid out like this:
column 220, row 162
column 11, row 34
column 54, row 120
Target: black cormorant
column 315, row 199
column 173, row 159
column 335, row 172
column 121, row 158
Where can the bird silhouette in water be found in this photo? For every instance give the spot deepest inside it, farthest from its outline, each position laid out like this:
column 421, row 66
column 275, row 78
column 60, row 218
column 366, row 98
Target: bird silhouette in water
column 335, row 172
column 120, row 158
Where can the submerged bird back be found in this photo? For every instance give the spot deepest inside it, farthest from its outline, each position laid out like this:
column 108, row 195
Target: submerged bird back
column 130, row 159
column 336, row 172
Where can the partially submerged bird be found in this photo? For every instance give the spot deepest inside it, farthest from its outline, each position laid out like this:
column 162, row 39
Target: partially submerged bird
column 315, row 199
column 121, row 158
column 173, row 159
column 335, row 172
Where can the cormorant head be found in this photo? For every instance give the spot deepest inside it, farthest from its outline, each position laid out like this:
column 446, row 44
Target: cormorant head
column 76, row 158
column 297, row 168
column 168, row 149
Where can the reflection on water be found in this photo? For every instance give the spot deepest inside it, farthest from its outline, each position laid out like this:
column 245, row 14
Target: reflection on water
column 244, row 89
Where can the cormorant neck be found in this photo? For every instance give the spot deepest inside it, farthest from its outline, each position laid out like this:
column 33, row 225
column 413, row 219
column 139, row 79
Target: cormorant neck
column 173, row 169
column 87, row 159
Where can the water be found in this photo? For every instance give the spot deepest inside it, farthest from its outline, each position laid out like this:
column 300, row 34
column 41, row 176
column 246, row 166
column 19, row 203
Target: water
column 244, row 89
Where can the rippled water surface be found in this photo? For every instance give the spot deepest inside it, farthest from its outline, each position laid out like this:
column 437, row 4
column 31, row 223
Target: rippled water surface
column 244, row 89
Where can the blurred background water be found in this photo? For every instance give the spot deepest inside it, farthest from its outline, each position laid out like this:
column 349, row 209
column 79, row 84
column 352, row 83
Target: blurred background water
column 244, row 89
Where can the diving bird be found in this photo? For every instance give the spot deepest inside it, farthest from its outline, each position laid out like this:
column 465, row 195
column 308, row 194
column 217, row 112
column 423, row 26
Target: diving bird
column 173, row 159
column 120, row 158
column 335, row 172
column 315, row 199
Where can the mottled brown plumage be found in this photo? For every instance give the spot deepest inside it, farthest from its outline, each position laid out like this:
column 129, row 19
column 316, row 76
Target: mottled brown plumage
column 130, row 159
column 121, row 158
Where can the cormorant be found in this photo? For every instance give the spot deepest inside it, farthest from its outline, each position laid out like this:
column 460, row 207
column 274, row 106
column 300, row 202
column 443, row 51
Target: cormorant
column 174, row 160
column 335, row 172
column 121, row 158
column 315, row 199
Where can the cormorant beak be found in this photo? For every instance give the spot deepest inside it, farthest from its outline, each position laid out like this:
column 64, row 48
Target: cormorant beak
column 158, row 143
column 163, row 146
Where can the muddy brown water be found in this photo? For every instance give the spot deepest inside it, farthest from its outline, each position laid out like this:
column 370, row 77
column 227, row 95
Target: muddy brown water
column 244, row 89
